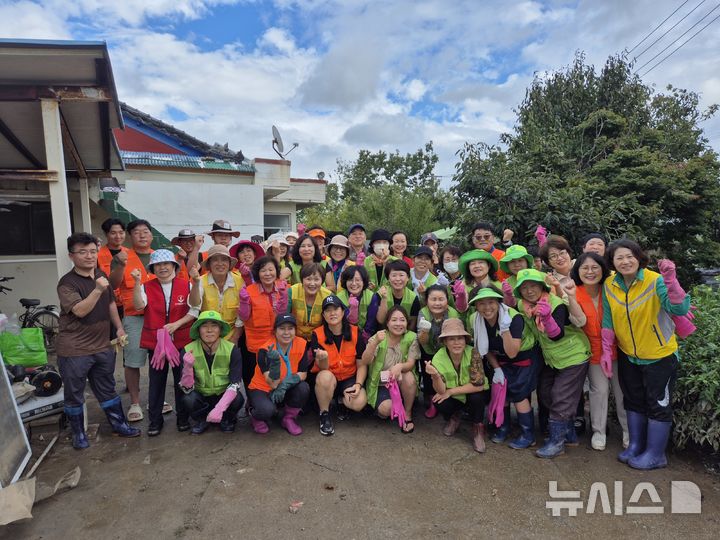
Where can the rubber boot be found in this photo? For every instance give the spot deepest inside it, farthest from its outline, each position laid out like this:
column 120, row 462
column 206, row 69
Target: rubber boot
column 116, row 416
column 637, row 430
column 431, row 411
column 571, row 437
column 653, row 457
column 479, row 437
column 527, row 436
column 502, row 432
column 289, row 421
column 259, row 426
column 556, row 445
column 452, row 424
column 76, row 417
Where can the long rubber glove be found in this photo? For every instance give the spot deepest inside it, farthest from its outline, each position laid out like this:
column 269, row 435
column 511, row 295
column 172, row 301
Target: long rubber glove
column 676, row 294
column 188, row 373
column 278, row 395
column 217, row 413
column 545, row 312
column 397, row 410
column 496, row 409
column 354, row 310
column 460, row 294
column 171, row 353
column 158, row 358
column 508, row 296
column 281, row 298
column 360, row 258
column 245, row 273
column 244, row 310
column 541, row 235
column 273, row 358
column 607, row 335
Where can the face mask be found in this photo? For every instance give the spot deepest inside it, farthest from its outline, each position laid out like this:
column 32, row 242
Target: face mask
column 380, row 248
column 452, row 266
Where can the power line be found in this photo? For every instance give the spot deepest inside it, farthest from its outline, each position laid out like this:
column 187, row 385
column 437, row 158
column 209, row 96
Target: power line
column 658, row 26
column 681, row 45
column 680, row 36
column 669, row 30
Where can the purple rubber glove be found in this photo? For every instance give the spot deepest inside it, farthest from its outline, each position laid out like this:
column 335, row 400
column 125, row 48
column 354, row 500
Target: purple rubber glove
column 354, row 311
column 188, row 373
column 544, row 311
column 508, row 296
column 245, row 273
column 360, row 258
column 541, row 235
column 244, row 310
column 460, row 294
column 676, row 294
column 608, row 351
column 217, row 413
column 281, row 297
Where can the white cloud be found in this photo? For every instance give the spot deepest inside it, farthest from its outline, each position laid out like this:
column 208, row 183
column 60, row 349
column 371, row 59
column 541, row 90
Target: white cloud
column 28, row 20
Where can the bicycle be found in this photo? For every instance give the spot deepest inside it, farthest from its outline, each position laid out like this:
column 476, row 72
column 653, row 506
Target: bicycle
column 37, row 316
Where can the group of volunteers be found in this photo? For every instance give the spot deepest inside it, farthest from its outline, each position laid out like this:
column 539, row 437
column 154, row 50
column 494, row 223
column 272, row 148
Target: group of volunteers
column 342, row 324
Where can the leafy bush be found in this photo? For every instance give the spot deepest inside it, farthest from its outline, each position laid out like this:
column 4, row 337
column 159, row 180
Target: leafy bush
column 697, row 393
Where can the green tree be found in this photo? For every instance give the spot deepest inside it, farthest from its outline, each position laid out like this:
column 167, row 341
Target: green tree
column 600, row 152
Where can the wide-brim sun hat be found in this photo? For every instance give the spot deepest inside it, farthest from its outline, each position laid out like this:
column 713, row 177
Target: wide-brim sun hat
column 222, row 226
column 453, row 327
column 184, row 234
column 160, row 256
column 280, row 238
column 514, row 253
column 216, row 251
column 205, row 317
column 339, row 240
column 476, row 255
column 486, row 292
column 257, row 248
column 529, row 274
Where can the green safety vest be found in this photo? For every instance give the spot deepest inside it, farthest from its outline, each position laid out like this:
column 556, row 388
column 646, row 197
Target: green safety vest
column 432, row 346
column 365, row 301
column 215, row 382
column 571, row 350
column 443, row 363
column 369, row 265
column 373, row 378
column 429, row 282
column 528, row 339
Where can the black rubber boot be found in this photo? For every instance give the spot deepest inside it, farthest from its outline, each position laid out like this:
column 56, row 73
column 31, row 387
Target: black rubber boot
column 77, row 425
column 116, row 416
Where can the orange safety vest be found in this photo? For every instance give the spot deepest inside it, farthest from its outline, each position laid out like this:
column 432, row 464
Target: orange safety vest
column 259, row 327
column 128, row 283
column 497, row 255
column 593, row 325
column 342, row 363
column 297, row 350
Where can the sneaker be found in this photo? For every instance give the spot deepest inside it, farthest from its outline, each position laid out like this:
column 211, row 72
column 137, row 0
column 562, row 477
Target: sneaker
column 598, row 441
column 326, row 425
column 154, row 429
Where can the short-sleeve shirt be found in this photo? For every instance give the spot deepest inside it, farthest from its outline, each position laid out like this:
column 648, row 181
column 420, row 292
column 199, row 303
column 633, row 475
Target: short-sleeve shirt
column 394, row 355
column 83, row 336
column 495, row 342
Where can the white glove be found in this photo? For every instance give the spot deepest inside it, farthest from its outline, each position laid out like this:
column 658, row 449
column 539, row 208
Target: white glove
column 498, row 376
column 424, row 325
column 504, row 320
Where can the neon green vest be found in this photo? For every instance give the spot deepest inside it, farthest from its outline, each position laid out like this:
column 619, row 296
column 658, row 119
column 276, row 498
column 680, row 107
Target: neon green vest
column 571, row 350
column 407, row 301
column 372, row 272
column 452, row 378
column 528, row 340
column 431, row 347
column 215, row 382
column 373, row 378
column 365, row 300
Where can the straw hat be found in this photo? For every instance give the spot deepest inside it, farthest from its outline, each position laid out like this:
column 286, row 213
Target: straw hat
column 218, row 250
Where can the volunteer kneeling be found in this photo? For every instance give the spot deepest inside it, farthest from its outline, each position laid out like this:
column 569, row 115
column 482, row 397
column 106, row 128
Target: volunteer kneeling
column 211, row 375
column 458, row 380
column 279, row 379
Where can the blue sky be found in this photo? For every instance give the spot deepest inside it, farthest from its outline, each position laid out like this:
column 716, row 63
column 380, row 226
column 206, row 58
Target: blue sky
column 340, row 76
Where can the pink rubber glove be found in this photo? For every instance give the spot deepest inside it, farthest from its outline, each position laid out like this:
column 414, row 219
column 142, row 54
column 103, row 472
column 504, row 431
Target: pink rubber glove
column 188, row 373
column 508, row 296
column 245, row 273
column 217, row 413
column 683, row 324
column 608, row 351
column 171, row 353
column 544, row 311
column 301, row 229
column 281, row 298
column 460, row 294
column 244, row 310
column 158, row 358
column 360, row 258
column 354, row 312
column 676, row 294
column 541, row 235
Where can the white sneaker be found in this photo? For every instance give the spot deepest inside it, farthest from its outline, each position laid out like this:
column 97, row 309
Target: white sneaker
column 598, row 441
column 626, row 439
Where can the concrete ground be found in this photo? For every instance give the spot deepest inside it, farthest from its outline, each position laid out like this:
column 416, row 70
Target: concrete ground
column 367, row 481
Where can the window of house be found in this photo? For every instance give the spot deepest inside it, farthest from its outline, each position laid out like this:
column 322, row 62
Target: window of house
column 27, row 229
column 276, row 223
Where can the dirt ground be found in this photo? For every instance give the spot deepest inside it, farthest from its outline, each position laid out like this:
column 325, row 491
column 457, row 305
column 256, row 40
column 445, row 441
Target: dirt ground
column 367, row 481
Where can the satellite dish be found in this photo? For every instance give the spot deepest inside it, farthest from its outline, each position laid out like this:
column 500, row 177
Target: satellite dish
column 277, row 141
column 278, row 144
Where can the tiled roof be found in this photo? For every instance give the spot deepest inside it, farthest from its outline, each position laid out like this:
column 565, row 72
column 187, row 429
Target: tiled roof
column 150, row 159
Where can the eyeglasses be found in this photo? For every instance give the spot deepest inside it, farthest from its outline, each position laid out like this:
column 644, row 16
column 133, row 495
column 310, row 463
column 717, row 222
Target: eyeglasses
column 84, row 252
column 560, row 254
column 483, row 237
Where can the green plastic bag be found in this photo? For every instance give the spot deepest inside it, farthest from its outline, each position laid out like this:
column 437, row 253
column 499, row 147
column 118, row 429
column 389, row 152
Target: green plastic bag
column 26, row 349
